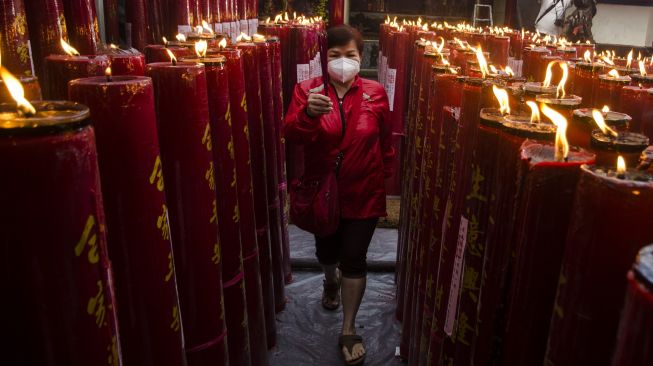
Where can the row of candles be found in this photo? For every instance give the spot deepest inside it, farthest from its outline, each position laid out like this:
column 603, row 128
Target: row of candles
column 518, row 234
column 164, row 244
column 31, row 30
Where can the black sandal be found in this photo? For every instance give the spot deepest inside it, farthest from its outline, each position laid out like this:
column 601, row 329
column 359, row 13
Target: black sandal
column 330, row 294
column 349, row 341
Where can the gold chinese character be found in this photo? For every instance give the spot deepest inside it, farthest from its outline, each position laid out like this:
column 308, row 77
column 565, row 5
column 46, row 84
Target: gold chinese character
column 233, row 180
column 470, row 282
column 171, row 268
column 227, row 115
column 176, row 322
column 243, row 103
column 463, row 328
column 230, row 147
column 216, row 253
column 96, row 306
column 114, row 357
column 246, row 131
column 214, row 217
column 477, row 178
column 157, row 174
column 475, row 246
column 438, row 297
column 236, row 215
column 88, row 237
column 206, row 139
column 557, row 309
column 210, row 177
column 163, row 224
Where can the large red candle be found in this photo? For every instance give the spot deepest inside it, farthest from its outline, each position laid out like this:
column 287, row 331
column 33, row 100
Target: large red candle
column 14, row 38
column 628, row 145
column 239, row 342
column 532, row 65
column 82, row 25
column 638, row 103
column 138, row 235
column 548, row 190
column 47, row 26
column 136, row 16
column 607, row 91
column 60, row 69
column 634, row 340
column 228, row 212
column 579, row 130
column 500, row 50
column 260, row 246
column 189, row 172
column 62, row 309
column 583, row 83
column 607, row 230
column 498, row 247
column 111, row 20
column 127, row 64
column 645, row 81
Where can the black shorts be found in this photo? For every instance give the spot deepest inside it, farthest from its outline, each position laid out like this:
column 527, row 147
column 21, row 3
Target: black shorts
column 347, row 247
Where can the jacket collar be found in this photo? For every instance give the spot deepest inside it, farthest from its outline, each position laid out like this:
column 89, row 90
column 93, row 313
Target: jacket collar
column 358, row 83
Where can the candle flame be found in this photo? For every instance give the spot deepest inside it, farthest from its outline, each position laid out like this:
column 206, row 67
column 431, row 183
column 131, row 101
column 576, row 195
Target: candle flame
column 267, row 20
column 278, row 18
column 200, row 48
column 502, row 98
column 607, row 60
column 560, row 91
column 180, row 37
column 258, row 37
column 642, row 68
column 165, row 41
column 453, row 71
column 243, row 37
column 173, row 59
column 509, row 71
column 621, row 165
column 206, row 26
column 17, row 92
column 614, row 73
column 482, row 63
column 494, row 69
column 547, row 77
column 107, row 72
column 113, row 46
column 198, row 29
column 605, row 109
column 598, row 118
column 535, row 112
column 223, row 43
column 629, row 59
column 70, row 50
column 561, row 144
column 587, row 56
column 425, row 27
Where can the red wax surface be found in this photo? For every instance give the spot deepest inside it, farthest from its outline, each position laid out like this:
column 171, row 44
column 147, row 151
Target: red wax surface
column 638, row 103
column 14, row 38
column 158, row 53
column 47, row 26
column 500, row 50
column 399, row 62
column 237, row 320
column 580, row 127
column 280, row 253
column 138, row 236
column 606, row 232
column 264, row 56
column 127, row 64
column 56, row 269
column 584, row 75
column 640, row 80
column 31, row 89
column 548, row 191
column 634, row 340
column 111, row 21
column 82, row 25
column 60, row 69
column 188, row 170
column 136, row 14
column 532, row 68
column 608, row 92
column 516, row 45
column 260, row 245
column 336, row 12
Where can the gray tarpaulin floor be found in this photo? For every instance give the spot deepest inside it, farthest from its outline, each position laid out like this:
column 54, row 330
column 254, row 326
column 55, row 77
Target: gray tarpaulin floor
column 308, row 334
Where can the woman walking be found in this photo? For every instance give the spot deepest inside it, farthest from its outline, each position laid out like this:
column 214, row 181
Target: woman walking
column 349, row 123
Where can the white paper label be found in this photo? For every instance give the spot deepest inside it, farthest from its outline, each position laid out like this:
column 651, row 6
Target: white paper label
column 390, row 79
column 252, row 26
column 315, row 66
column 244, row 27
column 31, row 58
column 217, row 27
column 454, row 294
column 235, row 30
column 184, row 29
column 303, row 72
column 226, row 29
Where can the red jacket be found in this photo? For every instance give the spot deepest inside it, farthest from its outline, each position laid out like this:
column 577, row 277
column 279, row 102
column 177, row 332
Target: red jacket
column 368, row 156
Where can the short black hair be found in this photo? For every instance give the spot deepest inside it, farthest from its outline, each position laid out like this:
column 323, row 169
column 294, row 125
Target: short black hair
column 341, row 35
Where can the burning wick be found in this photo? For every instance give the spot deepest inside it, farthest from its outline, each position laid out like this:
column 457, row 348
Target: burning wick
column 23, row 107
column 107, row 73
column 165, row 41
column 605, row 110
column 621, row 167
column 200, row 48
column 70, row 50
column 173, row 59
column 180, row 37
column 598, row 118
column 502, row 98
column 561, row 143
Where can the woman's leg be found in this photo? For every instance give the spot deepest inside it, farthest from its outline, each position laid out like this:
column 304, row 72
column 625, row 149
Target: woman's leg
column 356, row 237
column 326, row 251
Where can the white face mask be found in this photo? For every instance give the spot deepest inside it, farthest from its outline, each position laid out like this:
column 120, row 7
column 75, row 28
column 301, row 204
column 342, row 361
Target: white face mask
column 343, row 69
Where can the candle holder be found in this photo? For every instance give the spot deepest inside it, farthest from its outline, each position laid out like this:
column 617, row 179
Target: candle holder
column 638, row 103
column 566, row 53
column 607, row 91
column 157, row 53
column 54, row 240
column 604, row 236
column 564, row 106
column 637, row 315
column 582, row 124
column 31, row 89
column 644, row 81
column 627, row 144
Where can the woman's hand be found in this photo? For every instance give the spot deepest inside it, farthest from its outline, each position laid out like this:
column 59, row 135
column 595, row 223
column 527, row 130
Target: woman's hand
column 318, row 104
